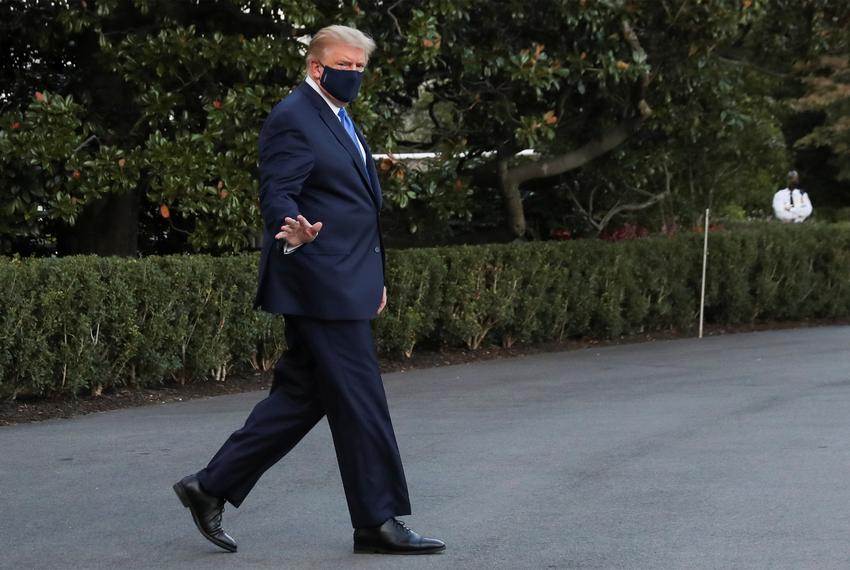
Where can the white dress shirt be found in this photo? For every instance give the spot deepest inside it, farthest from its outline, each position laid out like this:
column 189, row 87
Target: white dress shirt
column 792, row 205
column 335, row 110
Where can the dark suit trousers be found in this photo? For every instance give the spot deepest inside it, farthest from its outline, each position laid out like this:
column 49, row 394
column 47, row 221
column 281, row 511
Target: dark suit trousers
column 330, row 368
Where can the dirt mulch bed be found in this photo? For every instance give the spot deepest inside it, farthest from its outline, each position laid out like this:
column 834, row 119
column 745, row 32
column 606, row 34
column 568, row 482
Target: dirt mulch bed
column 33, row 410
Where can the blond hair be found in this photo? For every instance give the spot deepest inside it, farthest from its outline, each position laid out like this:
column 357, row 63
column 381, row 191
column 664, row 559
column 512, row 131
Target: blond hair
column 337, row 34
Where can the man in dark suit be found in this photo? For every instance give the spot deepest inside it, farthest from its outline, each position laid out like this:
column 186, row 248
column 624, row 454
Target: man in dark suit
column 322, row 267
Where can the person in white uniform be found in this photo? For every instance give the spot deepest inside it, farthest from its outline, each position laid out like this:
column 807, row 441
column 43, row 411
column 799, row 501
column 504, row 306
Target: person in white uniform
column 792, row 204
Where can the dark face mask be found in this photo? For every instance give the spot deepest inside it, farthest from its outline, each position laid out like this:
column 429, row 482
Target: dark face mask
column 344, row 84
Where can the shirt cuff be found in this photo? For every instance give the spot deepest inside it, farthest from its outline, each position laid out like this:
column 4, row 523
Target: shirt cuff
column 290, row 248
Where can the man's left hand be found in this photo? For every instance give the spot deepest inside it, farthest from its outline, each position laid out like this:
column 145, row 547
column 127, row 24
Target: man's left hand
column 298, row 231
column 383, row 301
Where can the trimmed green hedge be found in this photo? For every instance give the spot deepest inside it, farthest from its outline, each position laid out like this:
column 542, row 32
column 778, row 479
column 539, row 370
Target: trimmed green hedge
column 84, row 324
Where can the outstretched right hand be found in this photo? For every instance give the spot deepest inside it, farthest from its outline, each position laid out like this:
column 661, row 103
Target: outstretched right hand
column 298, row 231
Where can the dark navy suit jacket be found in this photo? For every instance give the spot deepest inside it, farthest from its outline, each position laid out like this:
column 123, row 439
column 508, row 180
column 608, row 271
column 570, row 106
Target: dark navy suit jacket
column 310, row 166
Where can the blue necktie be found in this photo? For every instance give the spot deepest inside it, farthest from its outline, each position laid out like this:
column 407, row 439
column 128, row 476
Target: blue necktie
column 348, row 125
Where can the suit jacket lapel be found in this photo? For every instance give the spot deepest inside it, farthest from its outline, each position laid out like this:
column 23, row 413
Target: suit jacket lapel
column 338, row 131
column 374, row 185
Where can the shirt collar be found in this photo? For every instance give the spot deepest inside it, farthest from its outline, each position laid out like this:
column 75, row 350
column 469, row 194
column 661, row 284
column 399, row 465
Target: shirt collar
column 318, row 90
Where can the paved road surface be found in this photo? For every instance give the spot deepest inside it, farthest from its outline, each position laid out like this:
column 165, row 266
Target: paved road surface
column 731, row 452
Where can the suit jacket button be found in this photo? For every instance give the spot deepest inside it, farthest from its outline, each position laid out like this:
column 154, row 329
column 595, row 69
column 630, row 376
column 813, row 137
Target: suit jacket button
column 377, row 249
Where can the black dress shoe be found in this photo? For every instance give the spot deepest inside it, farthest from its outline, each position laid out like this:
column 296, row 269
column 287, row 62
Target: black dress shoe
column 206, row 511
column 393, row 537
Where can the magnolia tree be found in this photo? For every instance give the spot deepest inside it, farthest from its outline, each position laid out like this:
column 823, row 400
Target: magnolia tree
column 121, row 114
column 126, row 116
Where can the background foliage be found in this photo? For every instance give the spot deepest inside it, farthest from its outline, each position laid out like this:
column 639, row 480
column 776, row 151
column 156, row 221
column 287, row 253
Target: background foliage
column 130, row 125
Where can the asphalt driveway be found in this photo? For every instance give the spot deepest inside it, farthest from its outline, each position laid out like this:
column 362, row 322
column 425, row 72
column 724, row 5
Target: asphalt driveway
column 730, row 452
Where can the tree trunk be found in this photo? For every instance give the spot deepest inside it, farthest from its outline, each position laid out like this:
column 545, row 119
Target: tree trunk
column 107, row 226
column 513, row 199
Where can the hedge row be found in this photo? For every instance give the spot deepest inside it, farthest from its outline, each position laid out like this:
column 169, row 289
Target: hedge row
column 83, row 324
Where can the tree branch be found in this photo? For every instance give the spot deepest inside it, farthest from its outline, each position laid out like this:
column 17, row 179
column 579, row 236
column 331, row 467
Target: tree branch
column 92, row 138
column 393, row 16
column 619, row 209
column 575, row 158
column 433, row 115
column 600, row 224
column 751, row 65
column 587, row 213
